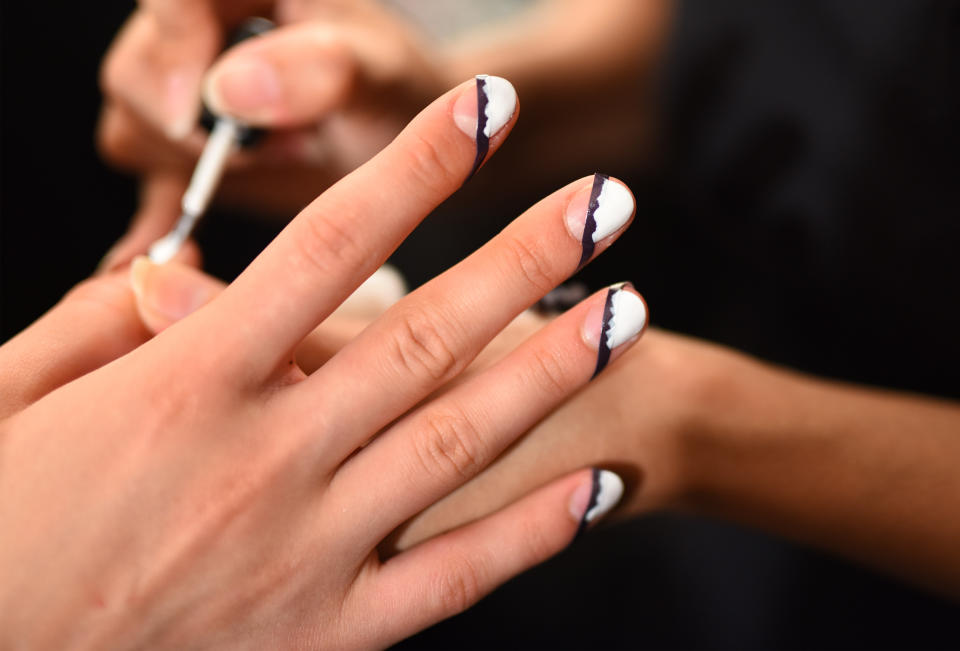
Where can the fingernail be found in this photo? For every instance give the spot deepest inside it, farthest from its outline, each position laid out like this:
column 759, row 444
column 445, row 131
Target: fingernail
column 246, row 87
column 181, row 104
column 595, row 498
column 620, row 319
column 599, row 214
column 139, row 269
column 481, row 114
column 166, row 298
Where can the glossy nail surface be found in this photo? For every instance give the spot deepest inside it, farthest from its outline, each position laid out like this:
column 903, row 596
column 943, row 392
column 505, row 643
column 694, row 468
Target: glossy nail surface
column 496, row 102
column 623, row 317
column 610, row 207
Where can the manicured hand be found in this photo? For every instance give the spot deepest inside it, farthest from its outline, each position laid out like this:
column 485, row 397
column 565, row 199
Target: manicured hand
column 202, row 490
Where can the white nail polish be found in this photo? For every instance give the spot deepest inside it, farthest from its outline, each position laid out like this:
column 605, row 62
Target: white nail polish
column 613, row 209
column 607, row 490
column 501, row 103
column 628, row 315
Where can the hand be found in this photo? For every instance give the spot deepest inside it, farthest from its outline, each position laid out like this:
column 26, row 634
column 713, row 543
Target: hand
column 334, row 83
column 596, row 426
column 203, row 489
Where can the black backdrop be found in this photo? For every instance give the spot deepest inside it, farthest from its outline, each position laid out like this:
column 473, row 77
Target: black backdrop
column 61, row 207
column 665, row 580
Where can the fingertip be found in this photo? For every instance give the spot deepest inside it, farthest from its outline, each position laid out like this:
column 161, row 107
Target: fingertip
column 613, row 322
column 484, row 111
column 244, row 87
column 291, row 77
column 168, row 293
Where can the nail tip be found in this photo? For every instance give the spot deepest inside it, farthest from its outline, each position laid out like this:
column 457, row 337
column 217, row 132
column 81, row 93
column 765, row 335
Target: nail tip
column 614, row 207
column 500, row 103
column 628, row 316
column 139, row 267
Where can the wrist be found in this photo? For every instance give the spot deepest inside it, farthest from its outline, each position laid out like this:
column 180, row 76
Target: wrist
column 735, row 408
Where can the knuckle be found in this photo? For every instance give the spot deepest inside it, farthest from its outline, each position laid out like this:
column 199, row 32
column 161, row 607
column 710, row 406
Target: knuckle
column 459, row 586
column 431, row 167
column 533, row 263
column 422, row 346
column 547, row 371
column 448, row 444
column 328, row 246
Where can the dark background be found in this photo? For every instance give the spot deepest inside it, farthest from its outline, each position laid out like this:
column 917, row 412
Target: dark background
column 805, row 211
column 61, row 208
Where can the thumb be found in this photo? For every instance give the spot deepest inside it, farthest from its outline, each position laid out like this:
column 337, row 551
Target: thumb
column 292, row 76
column 170, row 292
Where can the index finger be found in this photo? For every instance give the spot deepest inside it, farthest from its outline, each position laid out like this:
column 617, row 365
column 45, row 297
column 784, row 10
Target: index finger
column 350, row 230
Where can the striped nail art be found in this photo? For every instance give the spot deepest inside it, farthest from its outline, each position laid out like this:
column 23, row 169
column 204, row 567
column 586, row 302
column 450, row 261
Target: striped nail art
column 610, row 206
column 496, row 104
column 624, row 316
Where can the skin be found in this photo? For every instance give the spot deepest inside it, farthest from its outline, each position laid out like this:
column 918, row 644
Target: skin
column 200, row 489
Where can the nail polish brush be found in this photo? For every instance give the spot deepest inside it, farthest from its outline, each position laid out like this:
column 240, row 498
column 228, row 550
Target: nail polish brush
column 203, row 183
column 226, row 135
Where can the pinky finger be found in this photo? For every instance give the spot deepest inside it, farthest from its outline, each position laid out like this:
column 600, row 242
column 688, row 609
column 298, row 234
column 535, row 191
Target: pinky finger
column 447, row 574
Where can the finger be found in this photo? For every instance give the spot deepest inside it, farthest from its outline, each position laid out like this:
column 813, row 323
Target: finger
column 92, row 325
column 168, row 293
column 291, row 77
column 160, row 196
column 128, row 142
column 450, row 573
column 430, row 336
column 444, row 443
column 347, row 232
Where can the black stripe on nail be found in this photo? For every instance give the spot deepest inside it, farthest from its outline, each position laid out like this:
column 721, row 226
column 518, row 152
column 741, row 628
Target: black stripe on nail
column 594, row 495
column 603, row 350
column 483, row 142
column 590, row 224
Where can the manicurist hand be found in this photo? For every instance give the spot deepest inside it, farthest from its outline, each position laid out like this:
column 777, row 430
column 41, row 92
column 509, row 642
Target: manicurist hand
column 337, row 79
column 202, row 490
column 333, row 83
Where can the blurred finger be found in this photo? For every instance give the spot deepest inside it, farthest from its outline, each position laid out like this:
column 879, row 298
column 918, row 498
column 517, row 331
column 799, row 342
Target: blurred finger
column 157, row 62
column 291, row 77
